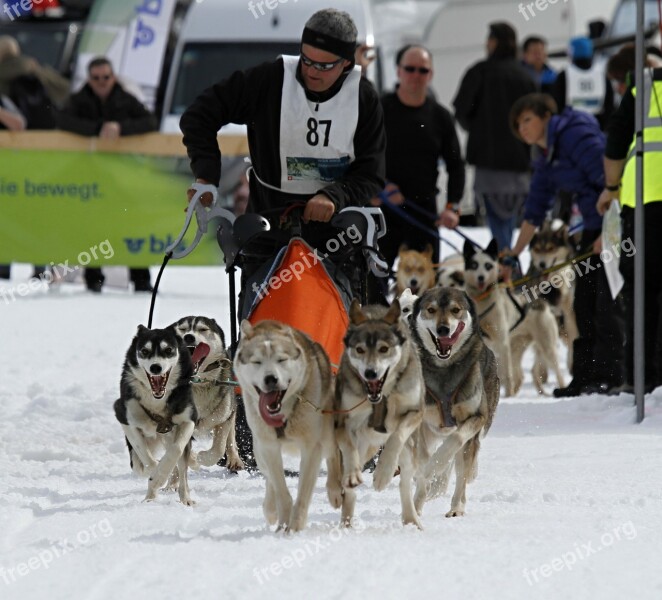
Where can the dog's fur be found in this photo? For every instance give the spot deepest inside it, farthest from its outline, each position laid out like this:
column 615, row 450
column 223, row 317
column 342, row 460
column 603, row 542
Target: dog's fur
column 460, row 374
column 450, row 272
column 503, row 324
column 286, row 382
column 415, row 270
column 156, row 408
column 380, row 364
column 551, row 246
column 496, row 312
column 214, row 402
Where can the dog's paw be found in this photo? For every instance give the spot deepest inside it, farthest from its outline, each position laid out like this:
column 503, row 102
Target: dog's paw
column 193, row 461
column 234, row 462
column 455, row 512
column 187, row 502
column 295, row 525
column 151, row 496
column 412, row 520
column 382, row 476
column 352, row 479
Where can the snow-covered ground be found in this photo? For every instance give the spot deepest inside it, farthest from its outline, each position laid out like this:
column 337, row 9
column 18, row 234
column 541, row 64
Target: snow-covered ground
column 567, row 504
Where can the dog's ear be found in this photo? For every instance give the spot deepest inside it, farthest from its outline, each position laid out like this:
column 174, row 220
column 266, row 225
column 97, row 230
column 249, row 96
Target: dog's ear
column 393, row 313
column 406, row 294
column 428, row 251
column 246, row 328
column 403, row 248
column 356, row 315
column 141, row 329
column 469, row 250
column 492, row 249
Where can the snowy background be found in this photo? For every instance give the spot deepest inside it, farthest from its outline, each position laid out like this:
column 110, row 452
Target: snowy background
column 567, row 504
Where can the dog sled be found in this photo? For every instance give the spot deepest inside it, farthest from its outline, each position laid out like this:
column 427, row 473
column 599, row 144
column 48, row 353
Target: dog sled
column 289, row 279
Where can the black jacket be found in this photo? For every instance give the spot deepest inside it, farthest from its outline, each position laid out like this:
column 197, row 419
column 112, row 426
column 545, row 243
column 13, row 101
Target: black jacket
column 85, row 114
column 482, row 105
column 253, row 98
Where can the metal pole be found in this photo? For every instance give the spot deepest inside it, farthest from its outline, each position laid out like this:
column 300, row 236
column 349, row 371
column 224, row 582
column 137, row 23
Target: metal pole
column 639, row 257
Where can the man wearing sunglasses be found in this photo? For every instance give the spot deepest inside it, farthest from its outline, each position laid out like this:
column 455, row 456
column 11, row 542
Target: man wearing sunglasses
column 315, row 128
column 105, row 109
column 419, row 132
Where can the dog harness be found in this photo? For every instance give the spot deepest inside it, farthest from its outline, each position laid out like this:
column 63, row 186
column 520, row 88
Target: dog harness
column 163, row 424
column 445, row 404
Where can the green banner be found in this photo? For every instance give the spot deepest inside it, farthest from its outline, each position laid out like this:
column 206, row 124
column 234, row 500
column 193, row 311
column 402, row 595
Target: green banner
column 95, row 208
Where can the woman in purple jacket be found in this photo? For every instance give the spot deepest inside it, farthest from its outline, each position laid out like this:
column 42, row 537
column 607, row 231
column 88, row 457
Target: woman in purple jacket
column 568, row 150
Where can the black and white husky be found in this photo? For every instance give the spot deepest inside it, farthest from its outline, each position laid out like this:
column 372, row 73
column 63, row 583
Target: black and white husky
column 212, row 393
column 156, row 408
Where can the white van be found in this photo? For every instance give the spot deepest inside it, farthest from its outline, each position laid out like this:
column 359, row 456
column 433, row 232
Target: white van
column 219, row 37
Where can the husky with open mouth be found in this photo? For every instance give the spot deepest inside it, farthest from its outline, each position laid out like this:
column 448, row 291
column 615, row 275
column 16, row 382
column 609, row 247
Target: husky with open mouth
column 286, row 383
column 212, row 393
column 156, row 408
column 462, row 393
column 379, row 402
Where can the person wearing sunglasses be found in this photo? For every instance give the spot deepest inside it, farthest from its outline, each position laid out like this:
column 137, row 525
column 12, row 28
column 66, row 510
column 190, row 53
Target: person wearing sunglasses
column 419, row 132
column 103, row 108
column 313, row 110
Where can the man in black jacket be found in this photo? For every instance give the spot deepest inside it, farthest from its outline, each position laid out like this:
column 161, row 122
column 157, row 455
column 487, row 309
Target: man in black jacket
column 482, row 105
column 103, row 108
column 314, row 111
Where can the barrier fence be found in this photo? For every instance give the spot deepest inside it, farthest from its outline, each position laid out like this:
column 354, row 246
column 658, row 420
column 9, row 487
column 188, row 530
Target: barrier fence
column 60, row 192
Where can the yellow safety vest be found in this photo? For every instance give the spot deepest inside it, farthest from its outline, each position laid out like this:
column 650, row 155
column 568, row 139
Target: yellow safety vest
column 652, row 146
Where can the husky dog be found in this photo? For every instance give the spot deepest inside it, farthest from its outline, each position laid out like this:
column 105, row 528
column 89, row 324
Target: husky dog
column 462, row 393
column 450, row 272
column 415, row 270
column 214, row 400
column 496, row 312
column 288, row 394
column 550, row 246
column 507, row 319
column 156, row 408
column 379, row 402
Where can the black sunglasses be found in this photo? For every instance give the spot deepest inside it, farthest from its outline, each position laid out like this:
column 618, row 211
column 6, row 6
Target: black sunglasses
column 320, row 66
column 100, row 77
column 421, row 70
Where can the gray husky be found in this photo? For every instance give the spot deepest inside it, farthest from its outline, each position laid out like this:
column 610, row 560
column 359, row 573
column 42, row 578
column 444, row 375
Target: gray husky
column 462, row 393
column 214, row 398
column 379, row 402
column 156, row 408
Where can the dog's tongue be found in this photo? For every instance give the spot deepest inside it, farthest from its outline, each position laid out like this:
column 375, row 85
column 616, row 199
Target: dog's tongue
column 200, row 353
column 269, row 407
column 447, row 342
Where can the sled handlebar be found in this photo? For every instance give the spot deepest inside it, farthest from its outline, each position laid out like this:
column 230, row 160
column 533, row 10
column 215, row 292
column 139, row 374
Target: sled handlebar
column 203, row 216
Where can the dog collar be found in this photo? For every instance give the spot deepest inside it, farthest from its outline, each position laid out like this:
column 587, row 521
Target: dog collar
column 163, row 424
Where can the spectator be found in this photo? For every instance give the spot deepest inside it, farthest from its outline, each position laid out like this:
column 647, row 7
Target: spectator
column 569, row 148
column 619, row 165
column 583, row 85
column 103, row 108
column 534, row 60
column 483, row 101
column 36, row 90
column 419, row 132
column 284, row 104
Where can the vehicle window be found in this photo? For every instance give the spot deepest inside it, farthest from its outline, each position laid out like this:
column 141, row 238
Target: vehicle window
column 44, row 45
column 203, row 64
column 625, row 20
